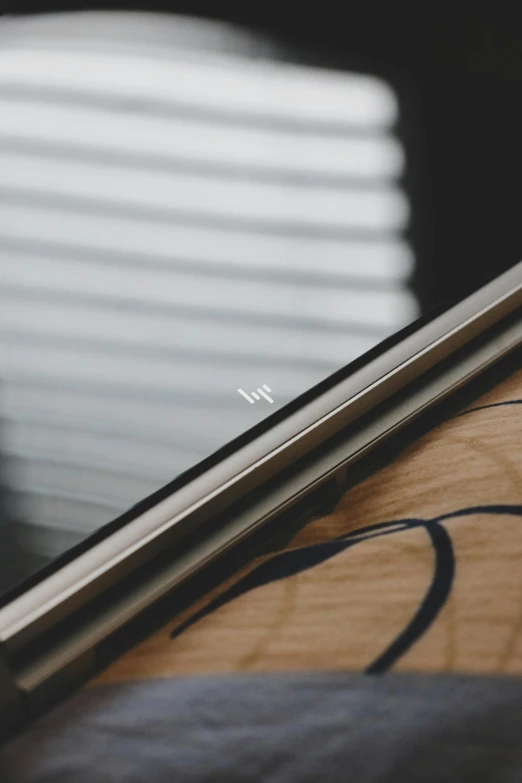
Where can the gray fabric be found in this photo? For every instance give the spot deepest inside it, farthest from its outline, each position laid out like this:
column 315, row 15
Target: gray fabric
column 282, row 729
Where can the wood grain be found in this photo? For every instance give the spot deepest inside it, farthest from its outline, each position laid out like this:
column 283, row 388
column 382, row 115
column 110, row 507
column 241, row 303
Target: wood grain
column 347, row 610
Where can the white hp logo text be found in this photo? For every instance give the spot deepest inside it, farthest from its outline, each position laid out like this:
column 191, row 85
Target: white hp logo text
column 256, row 394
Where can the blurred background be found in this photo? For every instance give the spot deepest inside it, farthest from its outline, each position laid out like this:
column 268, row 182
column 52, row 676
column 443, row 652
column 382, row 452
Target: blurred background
column 192, row 205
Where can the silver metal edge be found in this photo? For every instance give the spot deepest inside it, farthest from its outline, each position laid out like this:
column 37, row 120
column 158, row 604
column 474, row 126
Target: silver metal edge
column 278, row 447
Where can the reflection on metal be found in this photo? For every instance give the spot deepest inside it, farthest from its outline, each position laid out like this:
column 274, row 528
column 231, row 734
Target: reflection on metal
column 175, row 224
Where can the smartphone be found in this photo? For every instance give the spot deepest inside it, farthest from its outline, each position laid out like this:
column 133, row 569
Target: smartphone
column 209, row 313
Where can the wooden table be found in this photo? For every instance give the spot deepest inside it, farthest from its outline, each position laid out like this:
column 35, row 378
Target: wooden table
column 418, row 568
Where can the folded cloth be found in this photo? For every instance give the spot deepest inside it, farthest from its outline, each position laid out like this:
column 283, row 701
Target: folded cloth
column 295, row 728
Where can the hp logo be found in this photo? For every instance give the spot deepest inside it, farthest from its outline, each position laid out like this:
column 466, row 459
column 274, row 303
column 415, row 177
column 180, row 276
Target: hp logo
column 261, row 391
